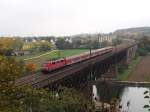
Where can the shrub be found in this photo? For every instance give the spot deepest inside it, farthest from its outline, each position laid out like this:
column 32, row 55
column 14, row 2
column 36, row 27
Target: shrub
column 142, row 52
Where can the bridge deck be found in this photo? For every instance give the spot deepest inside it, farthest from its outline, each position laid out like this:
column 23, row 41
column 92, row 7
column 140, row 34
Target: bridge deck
column 42, row 80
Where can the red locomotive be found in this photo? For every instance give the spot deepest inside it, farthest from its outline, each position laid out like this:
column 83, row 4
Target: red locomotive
column 56, row 64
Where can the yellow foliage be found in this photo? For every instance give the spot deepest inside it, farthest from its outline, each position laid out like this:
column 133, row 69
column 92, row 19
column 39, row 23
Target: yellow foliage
column 10, row 43
column 10, row 70
column 30, row 67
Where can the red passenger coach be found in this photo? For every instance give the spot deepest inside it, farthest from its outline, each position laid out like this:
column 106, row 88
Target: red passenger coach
column 53, row 65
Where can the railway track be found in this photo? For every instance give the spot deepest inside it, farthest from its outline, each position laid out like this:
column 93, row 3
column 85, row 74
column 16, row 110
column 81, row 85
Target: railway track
column 42, row 80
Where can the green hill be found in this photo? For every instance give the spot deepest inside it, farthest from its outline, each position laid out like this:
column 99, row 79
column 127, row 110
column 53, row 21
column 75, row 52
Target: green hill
column 136, row 32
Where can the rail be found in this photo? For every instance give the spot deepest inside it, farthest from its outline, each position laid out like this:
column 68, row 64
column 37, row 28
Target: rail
column 42, row 80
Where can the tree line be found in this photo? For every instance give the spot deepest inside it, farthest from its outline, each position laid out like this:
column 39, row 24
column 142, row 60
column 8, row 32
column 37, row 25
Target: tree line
column 11, row 45
column 144, row 46
column 61, row 43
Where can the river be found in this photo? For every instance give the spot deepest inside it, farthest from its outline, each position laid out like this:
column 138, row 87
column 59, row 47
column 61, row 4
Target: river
column 131, row 99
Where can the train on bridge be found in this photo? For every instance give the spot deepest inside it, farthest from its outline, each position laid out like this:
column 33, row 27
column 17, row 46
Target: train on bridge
column 52, row 65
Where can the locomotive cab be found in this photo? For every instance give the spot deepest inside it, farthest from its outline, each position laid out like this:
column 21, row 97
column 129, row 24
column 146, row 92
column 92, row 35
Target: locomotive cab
column 53, row 65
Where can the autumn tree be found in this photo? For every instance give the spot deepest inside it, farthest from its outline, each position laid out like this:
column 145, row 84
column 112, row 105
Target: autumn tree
column 45, row 46
column 10, row 70
column 7, row 45
column 38, row 46
column 30, row 68
column 60, row 43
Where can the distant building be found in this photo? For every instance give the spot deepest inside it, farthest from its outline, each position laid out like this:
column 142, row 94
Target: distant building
column 43, row 40
column 106, row 37
column 69, row 40
column 33, row 40
column 52, row 41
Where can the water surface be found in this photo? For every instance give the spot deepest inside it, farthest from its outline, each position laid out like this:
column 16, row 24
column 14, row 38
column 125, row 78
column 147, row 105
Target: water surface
column 131, row 98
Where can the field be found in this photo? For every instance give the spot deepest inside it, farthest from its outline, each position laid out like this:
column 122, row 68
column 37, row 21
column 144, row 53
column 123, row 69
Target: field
column 39, row 58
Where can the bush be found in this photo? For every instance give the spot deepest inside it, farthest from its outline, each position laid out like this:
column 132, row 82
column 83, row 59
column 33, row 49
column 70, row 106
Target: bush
column 30, row 68
column 147, row 47
column 121, row 68
column 63, row 100
column 142, row 52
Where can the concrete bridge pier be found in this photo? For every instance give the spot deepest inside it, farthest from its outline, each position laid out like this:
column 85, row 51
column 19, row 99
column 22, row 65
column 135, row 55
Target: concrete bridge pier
column 111, row 73
column 131, row 52
column 129, row 55
column 87, row 90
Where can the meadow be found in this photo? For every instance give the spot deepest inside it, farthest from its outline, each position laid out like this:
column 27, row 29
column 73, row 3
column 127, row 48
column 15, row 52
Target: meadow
column 39, row 58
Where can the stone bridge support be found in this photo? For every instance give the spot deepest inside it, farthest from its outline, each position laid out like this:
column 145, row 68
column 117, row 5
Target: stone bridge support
column 131, row 52
column 111, row 73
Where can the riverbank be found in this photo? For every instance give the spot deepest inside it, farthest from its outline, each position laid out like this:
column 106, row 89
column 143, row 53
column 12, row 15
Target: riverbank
column 142, row 70
column 123, row 76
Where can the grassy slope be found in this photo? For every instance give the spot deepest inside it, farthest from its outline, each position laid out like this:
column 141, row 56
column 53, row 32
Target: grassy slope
column 49, row 55
column 29, row 56
column 139, row 30
column 131, row 67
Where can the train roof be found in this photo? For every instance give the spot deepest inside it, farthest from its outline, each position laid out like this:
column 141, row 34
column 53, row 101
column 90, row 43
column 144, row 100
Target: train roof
column 92, row 51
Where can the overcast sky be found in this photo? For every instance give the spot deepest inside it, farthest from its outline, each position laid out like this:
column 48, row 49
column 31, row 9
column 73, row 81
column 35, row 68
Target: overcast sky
column 67, row 17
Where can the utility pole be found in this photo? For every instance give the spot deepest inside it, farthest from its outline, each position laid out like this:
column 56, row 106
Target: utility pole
column 90, row 57
column 99, row 36
column 90, row 45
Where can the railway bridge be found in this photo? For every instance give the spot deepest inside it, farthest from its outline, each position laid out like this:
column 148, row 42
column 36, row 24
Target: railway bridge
column 79, row 74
